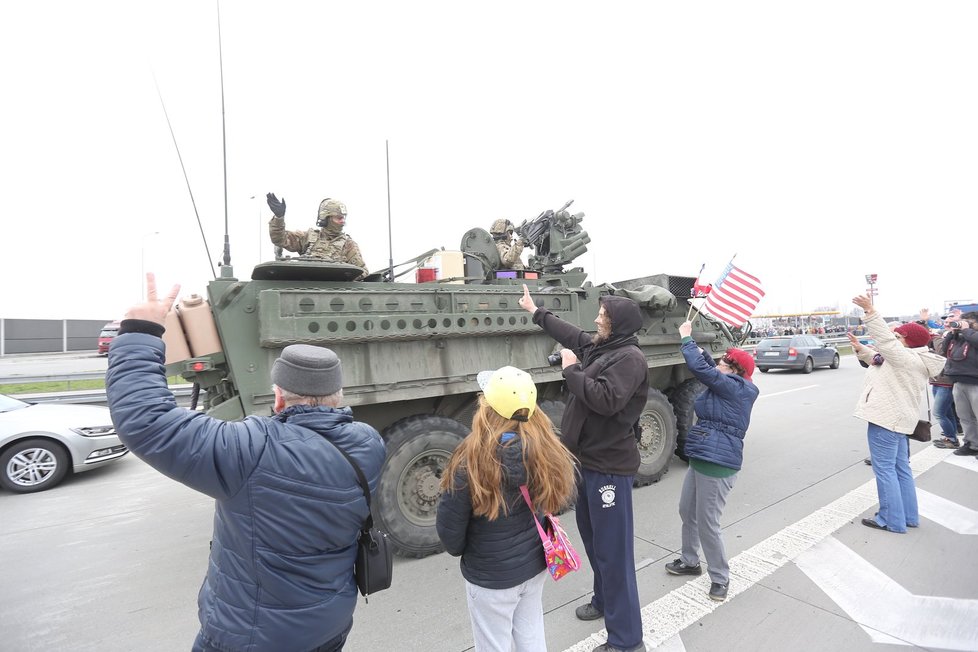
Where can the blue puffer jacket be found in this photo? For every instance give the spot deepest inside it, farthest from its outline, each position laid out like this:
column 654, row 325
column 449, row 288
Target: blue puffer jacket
column 722, row 411
column 288, row 510
column 501, row 553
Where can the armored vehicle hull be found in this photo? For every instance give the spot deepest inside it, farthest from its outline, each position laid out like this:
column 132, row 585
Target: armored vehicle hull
column 411, row 353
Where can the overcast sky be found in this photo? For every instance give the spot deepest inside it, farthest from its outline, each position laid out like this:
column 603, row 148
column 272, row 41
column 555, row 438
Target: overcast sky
column 819, row 142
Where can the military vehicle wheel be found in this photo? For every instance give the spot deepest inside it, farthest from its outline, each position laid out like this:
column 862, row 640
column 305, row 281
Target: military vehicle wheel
column 809, row 365
column 835, row 362
column 658, row 439
column 682, row 399
column 418, row 450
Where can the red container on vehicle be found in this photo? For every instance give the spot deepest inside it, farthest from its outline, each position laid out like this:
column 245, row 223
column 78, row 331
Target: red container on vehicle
column 426, row 274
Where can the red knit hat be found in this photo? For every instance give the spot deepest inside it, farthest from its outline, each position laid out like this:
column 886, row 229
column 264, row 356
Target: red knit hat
column 743, row 359
column 914, row 334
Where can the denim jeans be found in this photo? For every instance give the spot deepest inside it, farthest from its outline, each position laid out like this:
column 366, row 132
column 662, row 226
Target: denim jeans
column 944, row 410
column 890, row 454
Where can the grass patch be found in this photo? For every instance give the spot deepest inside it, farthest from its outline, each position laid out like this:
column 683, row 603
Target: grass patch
column 13, row 389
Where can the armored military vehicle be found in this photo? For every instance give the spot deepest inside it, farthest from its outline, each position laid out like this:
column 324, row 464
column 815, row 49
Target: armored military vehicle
column 411, row 351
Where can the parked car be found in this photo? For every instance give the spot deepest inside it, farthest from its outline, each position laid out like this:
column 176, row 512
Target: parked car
column 105, row 336
column 41, row 443
column 803, row 352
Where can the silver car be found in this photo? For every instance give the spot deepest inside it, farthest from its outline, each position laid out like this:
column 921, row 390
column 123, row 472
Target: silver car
column 41, row 443
column 803, row 352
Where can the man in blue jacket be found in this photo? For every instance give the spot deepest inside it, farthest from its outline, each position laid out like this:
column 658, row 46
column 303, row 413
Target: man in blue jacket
column 288, row 504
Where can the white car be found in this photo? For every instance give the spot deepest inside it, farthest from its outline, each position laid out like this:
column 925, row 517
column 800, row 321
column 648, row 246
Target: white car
column 41, row 443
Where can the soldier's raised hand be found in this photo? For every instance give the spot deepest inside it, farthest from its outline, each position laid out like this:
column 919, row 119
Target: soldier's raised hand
column 277, row 205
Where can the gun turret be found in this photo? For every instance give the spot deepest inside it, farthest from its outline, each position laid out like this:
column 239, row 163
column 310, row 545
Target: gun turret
column 556, row 237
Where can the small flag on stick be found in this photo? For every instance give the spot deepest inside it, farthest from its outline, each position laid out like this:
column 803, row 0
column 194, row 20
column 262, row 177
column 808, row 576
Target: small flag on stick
column 734, row 296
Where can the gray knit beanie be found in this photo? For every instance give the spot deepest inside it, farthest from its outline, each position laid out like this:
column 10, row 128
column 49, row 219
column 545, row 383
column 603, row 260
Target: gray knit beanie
column 308, row 370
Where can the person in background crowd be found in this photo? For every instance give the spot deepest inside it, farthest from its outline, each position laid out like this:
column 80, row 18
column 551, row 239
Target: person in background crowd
column 483, row 517
column 890, row 403
column 715, row 448
column 608, row 389
column 288, row 505
column 961, row 348
column 942, row 389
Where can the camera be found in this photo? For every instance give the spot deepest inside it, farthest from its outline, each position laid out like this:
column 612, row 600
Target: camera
column 954, row 324
column 554, row 359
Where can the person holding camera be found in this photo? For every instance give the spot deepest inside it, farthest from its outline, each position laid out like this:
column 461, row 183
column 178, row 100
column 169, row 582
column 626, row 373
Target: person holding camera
column 961, row 349
column 289, row 506
column 890, row 402
column 606, row 375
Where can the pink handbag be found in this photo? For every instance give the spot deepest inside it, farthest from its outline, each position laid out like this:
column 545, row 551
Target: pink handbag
column 561, row 556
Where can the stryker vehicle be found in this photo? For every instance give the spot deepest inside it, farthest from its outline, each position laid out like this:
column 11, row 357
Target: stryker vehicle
column 411, row 351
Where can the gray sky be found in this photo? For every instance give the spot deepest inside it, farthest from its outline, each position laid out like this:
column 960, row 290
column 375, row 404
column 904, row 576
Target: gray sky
column 817, row 141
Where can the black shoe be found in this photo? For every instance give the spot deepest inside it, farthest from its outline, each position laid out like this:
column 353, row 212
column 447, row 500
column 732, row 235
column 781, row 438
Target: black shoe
column 588, row 612
column 677, row 567
column 966, row 450
column 718, row 591
column 947, row 442
column 871, row 522
column 868, row 461
column 608, row 647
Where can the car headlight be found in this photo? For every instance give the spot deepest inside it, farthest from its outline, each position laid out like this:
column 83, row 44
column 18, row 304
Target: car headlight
column 95, row 431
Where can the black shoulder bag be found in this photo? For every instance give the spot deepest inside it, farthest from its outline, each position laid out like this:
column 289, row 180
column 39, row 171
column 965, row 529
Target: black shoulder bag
column 374, row 567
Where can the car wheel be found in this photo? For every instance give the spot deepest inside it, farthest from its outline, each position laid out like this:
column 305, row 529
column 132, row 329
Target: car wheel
column 809, row 365
column 835, row 362
column 32, row 465
column 764, row 370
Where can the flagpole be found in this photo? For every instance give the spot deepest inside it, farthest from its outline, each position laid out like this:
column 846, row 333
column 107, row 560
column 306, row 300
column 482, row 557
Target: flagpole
column 693, row 291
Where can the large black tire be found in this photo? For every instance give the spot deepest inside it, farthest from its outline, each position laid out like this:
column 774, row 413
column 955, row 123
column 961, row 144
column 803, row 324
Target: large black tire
column 682, row 399
column 406, row 500
column 658, row 439
column 835, row 362
column 809, row 365
column 33, row 465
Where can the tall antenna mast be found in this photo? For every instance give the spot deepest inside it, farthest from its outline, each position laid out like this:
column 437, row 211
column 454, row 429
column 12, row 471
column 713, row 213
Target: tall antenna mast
column 224, row 144
column 390, row 244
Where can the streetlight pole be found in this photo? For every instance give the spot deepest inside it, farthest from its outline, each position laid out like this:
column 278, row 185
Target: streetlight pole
column 871, row 279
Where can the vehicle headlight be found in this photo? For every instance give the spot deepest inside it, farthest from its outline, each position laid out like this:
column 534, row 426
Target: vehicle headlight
column 95, row 431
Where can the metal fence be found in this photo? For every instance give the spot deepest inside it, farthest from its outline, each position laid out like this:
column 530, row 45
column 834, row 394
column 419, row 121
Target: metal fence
column 49, row 335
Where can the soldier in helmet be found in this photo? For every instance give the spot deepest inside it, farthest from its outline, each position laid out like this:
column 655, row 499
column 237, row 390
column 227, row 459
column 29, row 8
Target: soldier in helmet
column 327, row 242
column 508, row 247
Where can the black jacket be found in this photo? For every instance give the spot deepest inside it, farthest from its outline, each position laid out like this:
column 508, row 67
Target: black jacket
column 608, row 388
column 961, row 350
column 497, row 554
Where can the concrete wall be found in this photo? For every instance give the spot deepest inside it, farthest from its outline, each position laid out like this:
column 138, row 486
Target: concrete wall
column 49, row 335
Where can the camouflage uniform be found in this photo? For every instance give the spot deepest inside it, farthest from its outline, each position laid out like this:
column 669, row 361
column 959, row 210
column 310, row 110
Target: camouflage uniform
column 328, row 242
column 509, row 250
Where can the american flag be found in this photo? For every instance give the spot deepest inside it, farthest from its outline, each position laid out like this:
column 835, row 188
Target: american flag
column 734, row 297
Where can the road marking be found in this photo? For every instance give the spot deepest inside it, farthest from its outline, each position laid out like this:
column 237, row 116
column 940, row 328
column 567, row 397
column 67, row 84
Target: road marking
column 957, row 518
column 683, row 606
column 969, row 462
column 887, row 611
column 787, row 391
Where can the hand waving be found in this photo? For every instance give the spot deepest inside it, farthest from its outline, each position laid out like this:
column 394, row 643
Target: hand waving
column 277, row 205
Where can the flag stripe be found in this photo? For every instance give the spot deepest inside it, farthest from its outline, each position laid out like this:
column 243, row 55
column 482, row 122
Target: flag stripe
column 734, row 297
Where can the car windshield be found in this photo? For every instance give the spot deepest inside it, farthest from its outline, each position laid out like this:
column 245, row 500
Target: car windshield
column 7, row 404
column 108, row 332
column 774, row 343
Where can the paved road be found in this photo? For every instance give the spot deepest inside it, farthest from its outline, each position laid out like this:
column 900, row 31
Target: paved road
column 111, row 560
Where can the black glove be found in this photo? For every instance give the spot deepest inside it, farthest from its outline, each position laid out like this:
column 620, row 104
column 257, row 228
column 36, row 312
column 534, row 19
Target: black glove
column 278, row 207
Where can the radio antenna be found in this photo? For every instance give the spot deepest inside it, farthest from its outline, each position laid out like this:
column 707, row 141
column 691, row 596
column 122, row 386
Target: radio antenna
column 390, row 244
column 185, row 178
column 224, row 142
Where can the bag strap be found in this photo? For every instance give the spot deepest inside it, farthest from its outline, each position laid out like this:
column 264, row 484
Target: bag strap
column 369, row 521
column 548, row 545
column 927, row 395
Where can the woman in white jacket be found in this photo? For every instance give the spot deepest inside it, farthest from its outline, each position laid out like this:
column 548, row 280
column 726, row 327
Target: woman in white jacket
column 890, row 401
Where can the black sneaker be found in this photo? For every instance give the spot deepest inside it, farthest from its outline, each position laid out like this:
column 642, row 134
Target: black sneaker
column 608, row 647
column 718, row 591
column 868, row 461
column 677, row 567
column 965, row 449
column 588, row 612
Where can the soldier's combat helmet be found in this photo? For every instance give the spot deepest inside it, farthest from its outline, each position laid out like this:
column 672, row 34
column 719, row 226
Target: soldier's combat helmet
column 328, row 208
column 500, row 228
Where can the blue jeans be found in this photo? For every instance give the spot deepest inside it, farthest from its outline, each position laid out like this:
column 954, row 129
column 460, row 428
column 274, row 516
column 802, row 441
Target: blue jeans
column 890, row 454
column 944, row 411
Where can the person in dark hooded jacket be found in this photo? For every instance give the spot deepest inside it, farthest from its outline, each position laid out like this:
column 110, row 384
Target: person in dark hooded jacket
column 483, row 517
column 715, row 448
column 606, row 375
